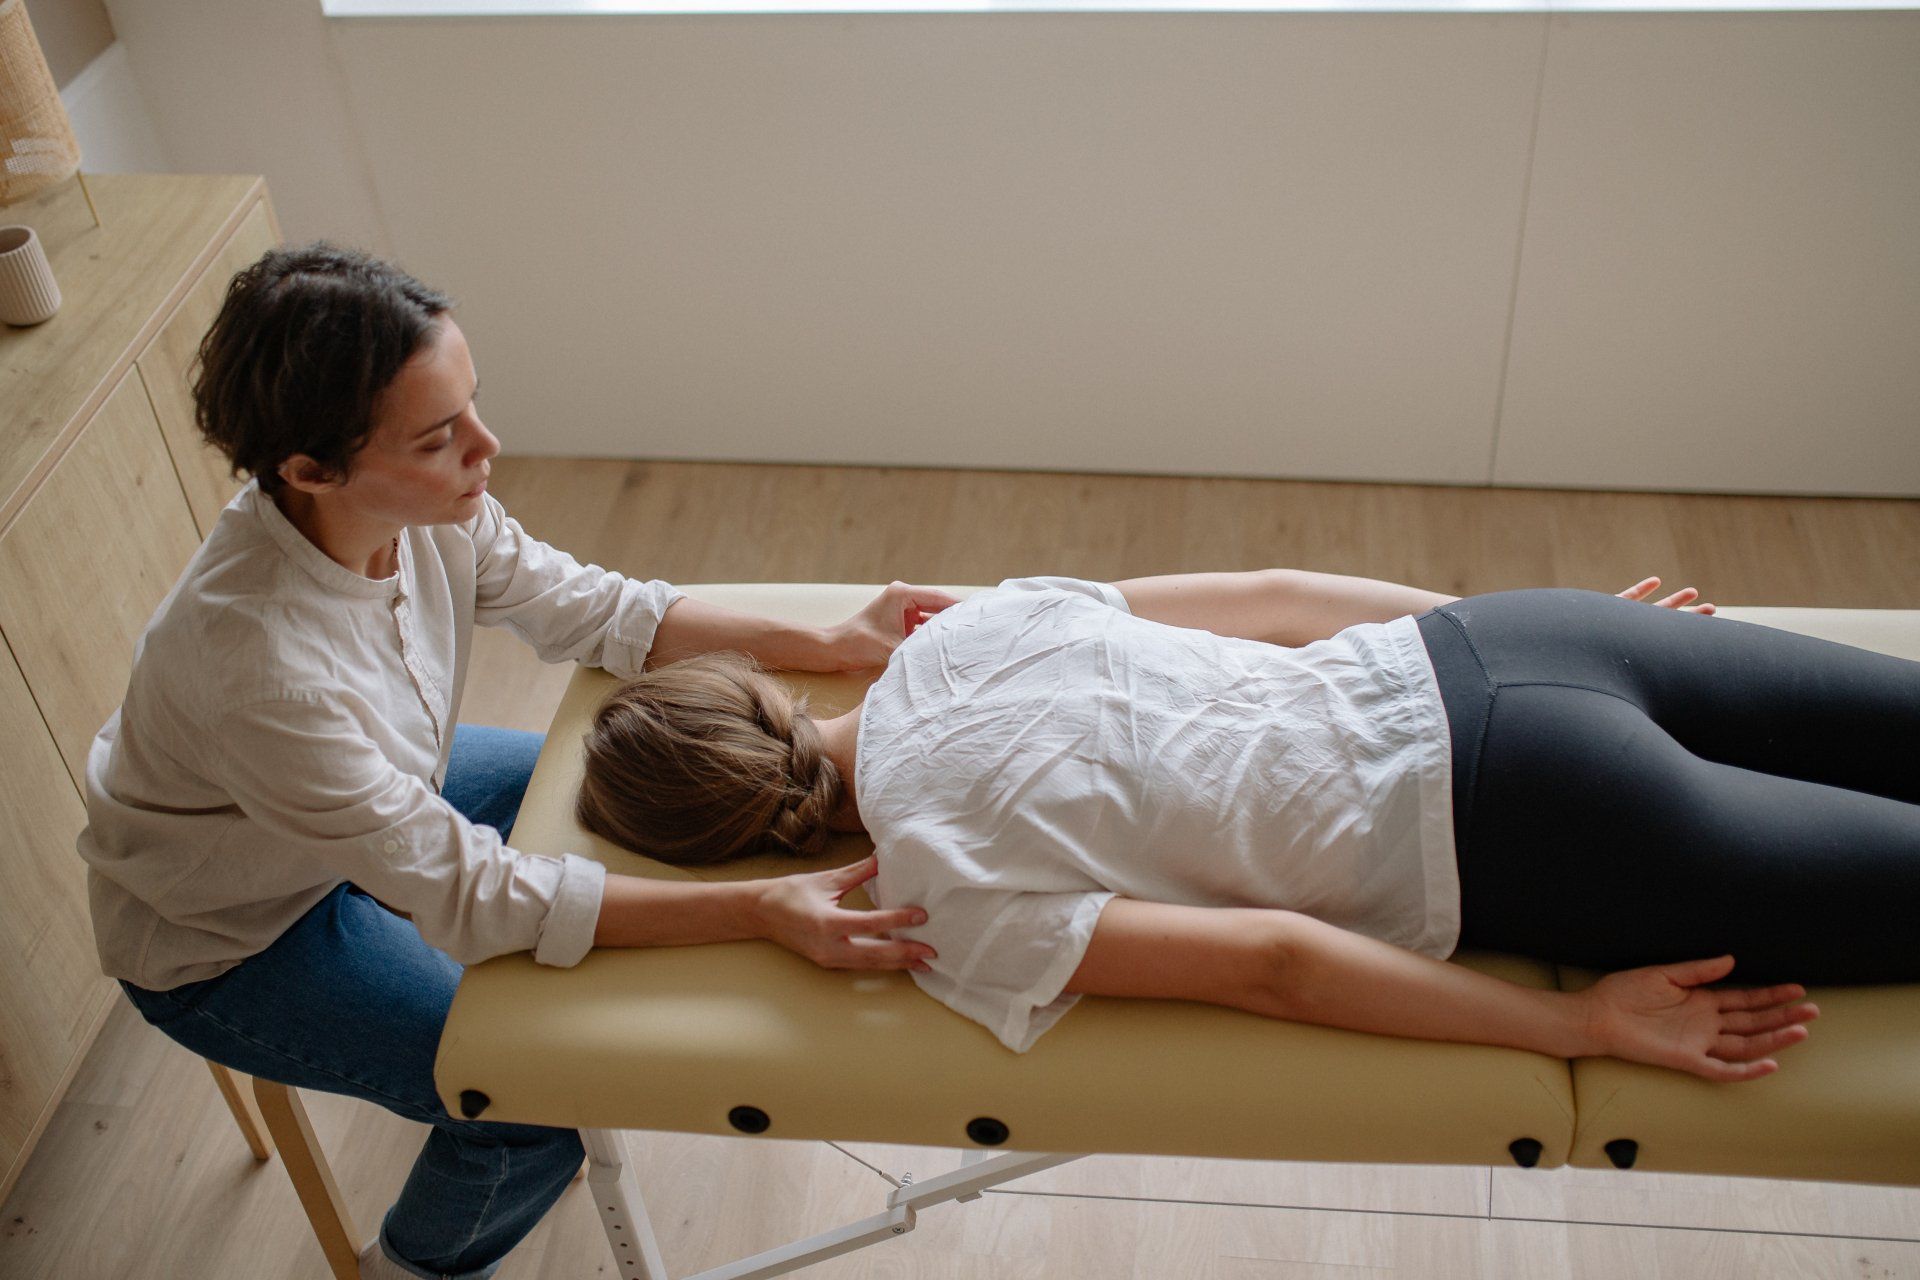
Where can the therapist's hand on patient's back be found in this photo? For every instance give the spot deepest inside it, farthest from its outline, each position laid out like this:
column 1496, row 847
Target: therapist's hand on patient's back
column 869, row 637
column 803, row 914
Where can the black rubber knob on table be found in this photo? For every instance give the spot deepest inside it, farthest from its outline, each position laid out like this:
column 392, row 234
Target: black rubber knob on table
column 1525, row 1151
column 749, row 1120
column 987, row 1131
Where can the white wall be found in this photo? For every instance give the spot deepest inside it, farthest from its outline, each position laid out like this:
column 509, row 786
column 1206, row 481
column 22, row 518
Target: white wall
column 111, row 119
column 1720, row 280
column 1670, row 251
column 254, row 86
column 71, row 34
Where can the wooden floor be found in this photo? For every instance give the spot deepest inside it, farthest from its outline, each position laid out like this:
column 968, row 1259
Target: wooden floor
column 142, row 1174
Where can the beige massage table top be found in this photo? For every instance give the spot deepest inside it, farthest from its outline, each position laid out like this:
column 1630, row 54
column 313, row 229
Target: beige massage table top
column 720, row 1037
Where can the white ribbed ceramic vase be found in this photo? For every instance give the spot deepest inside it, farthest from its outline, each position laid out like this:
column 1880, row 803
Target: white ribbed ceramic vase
column 28, row 294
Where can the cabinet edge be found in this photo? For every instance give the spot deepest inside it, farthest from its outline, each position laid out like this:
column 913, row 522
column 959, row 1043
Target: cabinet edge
column 16, row 502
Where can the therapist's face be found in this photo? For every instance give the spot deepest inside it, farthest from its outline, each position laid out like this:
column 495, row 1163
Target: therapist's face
column 428, row 458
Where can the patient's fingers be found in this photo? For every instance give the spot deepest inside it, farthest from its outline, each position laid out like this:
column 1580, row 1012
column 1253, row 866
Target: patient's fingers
column 856, row 872
column 1768, row 1019
column 1733, row 1072
column 1759, row 997
column 929, row 600
column 869, row 953
column 1747, row 1048
column 858, row 922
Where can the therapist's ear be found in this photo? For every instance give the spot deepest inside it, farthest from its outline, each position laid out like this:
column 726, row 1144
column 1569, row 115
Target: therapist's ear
column 303, row 473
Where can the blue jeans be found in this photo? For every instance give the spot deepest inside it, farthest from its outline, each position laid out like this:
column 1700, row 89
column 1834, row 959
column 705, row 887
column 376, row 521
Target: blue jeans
column 351, row 1000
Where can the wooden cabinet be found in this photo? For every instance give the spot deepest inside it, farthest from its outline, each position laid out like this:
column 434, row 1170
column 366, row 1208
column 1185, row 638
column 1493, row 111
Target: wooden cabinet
column 53, row 991
column 87, row 561
column 166, row 367
column 105, row 491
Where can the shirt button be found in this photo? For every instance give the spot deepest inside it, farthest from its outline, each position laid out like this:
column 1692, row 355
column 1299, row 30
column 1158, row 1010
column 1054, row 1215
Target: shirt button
column 393, row 846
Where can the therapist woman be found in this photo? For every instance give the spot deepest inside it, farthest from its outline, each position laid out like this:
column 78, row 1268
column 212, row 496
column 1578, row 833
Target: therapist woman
column 293, row 846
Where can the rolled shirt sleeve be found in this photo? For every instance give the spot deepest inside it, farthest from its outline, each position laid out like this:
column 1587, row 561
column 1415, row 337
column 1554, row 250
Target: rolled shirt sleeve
column 302, row 769
column 566, row 610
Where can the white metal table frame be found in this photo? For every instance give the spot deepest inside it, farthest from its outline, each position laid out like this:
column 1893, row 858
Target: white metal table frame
column 623, row 1212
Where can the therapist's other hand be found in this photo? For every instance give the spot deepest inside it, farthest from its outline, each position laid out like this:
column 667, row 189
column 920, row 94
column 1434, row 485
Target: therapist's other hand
column 803, row 914
column 1665, row 1015
column 1682, row 599
column 869, row 637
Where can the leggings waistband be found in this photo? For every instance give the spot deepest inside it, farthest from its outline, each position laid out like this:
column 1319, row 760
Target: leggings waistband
column 1465, row 688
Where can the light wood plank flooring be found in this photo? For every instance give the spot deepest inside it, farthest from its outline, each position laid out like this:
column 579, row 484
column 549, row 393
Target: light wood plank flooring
column 142, row 1174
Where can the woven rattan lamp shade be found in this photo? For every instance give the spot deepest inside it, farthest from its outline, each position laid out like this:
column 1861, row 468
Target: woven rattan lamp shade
column 37, row 146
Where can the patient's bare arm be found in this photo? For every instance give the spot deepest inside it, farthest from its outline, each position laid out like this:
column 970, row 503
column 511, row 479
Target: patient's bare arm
column 1280, row 606
column 1285, row 965
column 1295, row 607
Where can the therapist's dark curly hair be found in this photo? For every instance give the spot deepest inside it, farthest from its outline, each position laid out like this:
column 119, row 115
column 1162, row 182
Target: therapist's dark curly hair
column 707, row 760
column 304, row 344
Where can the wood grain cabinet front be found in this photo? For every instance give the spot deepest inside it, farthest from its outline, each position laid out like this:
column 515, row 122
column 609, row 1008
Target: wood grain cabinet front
column 167, row 368
column 87, row 562
column 47, row 964
column 105, row 491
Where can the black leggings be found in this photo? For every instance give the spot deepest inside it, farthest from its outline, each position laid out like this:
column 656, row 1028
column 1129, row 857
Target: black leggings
column 1634, row 785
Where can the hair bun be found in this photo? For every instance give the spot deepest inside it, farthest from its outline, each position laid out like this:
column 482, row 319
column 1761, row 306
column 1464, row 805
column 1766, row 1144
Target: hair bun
column 705, row 760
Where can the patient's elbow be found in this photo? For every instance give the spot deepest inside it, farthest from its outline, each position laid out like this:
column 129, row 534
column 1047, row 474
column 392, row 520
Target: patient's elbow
column 1275, row 981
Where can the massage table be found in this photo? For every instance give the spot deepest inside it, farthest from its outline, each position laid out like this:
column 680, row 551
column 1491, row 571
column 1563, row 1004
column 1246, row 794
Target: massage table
column 748, row 1039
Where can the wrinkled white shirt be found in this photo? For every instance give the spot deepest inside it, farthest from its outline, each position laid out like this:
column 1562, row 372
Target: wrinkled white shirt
column 1036, row 750
column 287, row 727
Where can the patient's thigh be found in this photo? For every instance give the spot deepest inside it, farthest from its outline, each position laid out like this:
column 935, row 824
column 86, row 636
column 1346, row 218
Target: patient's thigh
column 1736, row 692
column 1597, row 839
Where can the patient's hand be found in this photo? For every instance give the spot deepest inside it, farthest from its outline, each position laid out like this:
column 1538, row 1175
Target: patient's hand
column 1665, row 1015
column 803, row 914
column 1681, row 599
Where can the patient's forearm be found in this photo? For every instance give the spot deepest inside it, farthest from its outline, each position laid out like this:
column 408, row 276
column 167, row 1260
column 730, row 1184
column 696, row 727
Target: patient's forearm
column 692, row 626
column 637, row 912
column 1324, row 604
column 1292, row 607
column 1342, row 979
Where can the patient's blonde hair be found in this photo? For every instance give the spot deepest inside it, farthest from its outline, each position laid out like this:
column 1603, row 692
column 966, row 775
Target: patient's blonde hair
column 706, row 760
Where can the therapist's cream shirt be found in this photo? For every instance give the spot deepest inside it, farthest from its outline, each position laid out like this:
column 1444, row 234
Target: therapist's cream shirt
column 287, row 727
column 1036, row 749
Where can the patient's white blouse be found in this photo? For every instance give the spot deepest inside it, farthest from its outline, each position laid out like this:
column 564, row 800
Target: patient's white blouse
column 1036, row 750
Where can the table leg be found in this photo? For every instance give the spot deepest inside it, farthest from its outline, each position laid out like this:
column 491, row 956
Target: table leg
column 616, row 1195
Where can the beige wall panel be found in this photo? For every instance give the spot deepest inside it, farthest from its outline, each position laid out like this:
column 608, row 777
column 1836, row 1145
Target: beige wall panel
column 116, row 130
column 1258, row 244
column 166, row 367
column 72, row 33
column 87, row 562
column 1720, row 283
column 47, row 965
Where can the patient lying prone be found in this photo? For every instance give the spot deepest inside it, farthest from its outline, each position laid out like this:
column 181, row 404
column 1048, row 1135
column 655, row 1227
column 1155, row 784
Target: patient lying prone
column 1092, row 792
